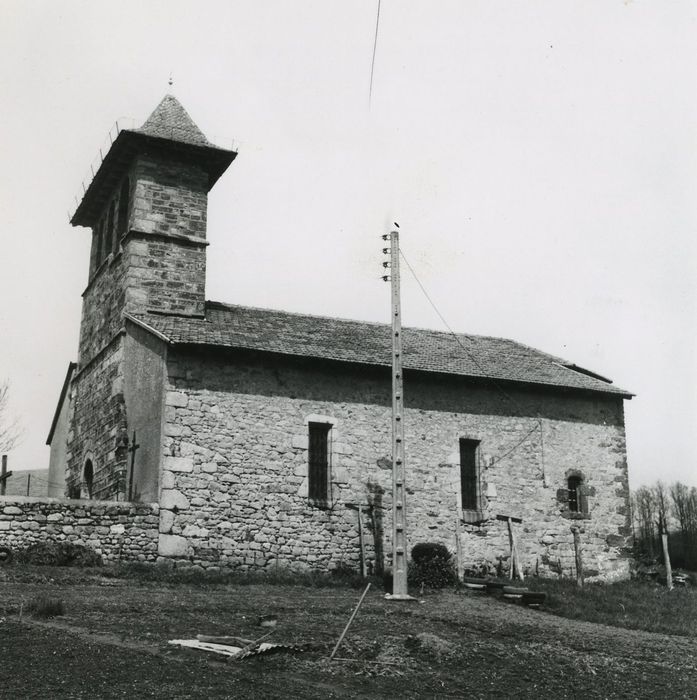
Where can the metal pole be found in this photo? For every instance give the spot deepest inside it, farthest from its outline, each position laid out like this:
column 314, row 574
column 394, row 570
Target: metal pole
column 399, row 525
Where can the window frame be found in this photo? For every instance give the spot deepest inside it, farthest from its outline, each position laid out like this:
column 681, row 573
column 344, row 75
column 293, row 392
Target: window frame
column 471, row 501
column 319, row 465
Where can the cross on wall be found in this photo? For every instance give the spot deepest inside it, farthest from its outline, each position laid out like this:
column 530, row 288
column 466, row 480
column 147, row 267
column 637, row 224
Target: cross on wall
column 4, row 475
column 132, row 448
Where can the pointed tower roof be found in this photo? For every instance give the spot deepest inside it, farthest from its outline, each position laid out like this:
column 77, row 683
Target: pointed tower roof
column 168, row 132
column 169, row 120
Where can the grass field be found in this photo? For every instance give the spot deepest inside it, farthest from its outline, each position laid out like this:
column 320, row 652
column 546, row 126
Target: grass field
column 112, row 640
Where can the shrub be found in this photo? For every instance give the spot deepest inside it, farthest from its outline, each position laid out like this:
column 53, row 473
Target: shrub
column 5, row 555
column 431, row 566
column 425, row 551
column 45, row 607
column 59, row 554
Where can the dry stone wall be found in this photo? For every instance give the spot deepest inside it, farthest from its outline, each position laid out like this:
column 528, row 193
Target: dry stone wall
column 116, row 530
column 234, row 482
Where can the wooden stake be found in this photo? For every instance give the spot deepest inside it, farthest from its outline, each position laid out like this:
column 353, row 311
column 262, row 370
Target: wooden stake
column 515, row 564
column 458, row 549
column 348, row 624
column 361, row 539
column 666, row 559
column 579, row 557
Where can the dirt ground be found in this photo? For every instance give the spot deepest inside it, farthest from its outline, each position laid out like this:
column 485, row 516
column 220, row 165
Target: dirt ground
column 112, row 643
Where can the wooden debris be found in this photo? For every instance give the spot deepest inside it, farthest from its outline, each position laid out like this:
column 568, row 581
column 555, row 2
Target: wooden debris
column 348, row 624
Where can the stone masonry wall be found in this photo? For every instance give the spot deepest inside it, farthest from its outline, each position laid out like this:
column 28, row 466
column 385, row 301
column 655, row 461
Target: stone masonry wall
column 98, row 425
column 158, row 264
column 166, row 265
column 117, row 531
column 234, row 481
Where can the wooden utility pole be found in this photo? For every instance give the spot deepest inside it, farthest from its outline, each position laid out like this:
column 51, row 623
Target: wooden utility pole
column 4, row 475
column 399, row 524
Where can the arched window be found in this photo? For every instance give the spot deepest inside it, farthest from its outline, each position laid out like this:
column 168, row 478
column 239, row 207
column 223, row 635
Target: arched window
column 574, row 484
column 122, row 218
column 88, row 479
column 109, row 234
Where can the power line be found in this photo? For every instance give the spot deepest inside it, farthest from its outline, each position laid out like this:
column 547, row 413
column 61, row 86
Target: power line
column 372, row 64
column 491, row 380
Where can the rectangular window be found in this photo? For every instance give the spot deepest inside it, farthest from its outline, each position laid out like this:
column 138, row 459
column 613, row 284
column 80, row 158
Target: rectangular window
column 469, row 474
column 318, row 461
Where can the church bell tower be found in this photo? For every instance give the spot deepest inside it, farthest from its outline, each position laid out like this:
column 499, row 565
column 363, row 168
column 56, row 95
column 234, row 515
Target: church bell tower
column 146, row 207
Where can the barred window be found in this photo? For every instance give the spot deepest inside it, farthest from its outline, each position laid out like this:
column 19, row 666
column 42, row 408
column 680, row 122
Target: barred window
column 318, row 460
column 578, row 501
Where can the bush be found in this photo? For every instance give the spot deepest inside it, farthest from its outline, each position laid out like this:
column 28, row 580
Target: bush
column 431, row 566
column 59, row 554
column 45, row 607
column 425, row 551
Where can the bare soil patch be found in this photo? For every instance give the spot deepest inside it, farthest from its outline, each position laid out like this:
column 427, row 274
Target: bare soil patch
column 112, row 643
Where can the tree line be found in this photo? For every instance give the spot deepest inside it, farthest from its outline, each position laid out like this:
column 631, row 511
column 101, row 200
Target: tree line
column 670, row 509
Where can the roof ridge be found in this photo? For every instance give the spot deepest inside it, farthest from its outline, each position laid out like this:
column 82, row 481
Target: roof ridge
column 227, row 305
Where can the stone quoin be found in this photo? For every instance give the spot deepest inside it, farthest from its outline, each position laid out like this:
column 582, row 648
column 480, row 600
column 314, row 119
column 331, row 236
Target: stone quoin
column 257, row 429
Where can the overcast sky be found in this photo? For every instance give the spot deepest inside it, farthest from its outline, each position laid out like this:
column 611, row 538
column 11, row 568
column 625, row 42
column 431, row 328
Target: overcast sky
column 540, row 157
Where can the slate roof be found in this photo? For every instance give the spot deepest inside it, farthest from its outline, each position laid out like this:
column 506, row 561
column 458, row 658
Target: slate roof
column 266, row 330
column 169, row 120
column 170, row 130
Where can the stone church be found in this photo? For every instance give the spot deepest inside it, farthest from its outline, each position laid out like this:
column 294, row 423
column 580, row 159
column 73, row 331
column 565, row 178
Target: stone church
column 264, row 436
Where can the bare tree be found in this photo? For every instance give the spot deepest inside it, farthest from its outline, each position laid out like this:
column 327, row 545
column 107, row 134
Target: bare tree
column 685, row 512
column 680, row 495
column 644, row 509
column 660, row 497
column 10, row 430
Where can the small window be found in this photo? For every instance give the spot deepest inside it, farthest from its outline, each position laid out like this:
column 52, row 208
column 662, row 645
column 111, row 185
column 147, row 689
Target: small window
column 469, row 474
column 578, row 499
column 318, row 461
column 122, row 218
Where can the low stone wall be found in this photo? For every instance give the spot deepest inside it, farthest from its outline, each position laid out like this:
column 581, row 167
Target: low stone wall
column 118, row 531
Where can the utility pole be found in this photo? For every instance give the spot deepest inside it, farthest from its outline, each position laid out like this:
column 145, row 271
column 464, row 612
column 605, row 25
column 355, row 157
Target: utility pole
column 399, row 522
